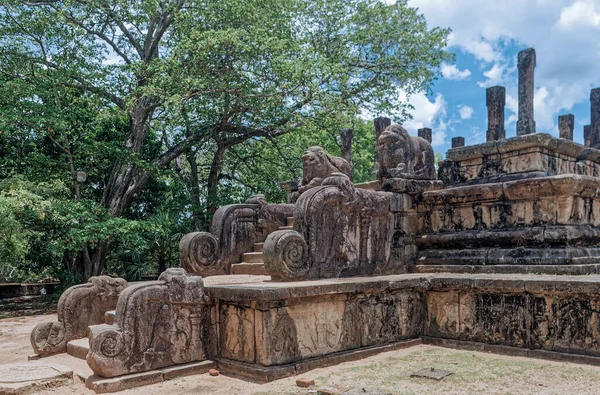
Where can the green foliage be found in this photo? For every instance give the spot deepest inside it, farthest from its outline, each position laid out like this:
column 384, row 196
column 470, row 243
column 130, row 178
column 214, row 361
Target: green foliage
column 170, row 109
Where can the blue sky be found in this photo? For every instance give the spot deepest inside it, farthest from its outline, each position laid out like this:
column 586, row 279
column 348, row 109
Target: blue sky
column 486, row 37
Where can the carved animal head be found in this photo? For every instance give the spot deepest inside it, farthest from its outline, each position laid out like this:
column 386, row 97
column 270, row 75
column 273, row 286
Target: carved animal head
column 315, row 164
column 393, row 150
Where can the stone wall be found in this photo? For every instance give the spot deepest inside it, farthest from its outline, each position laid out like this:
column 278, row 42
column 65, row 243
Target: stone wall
column 269, row 325
column 278, row 326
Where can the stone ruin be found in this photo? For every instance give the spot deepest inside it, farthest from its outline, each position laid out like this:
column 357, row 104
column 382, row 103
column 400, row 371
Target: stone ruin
column 447, row 256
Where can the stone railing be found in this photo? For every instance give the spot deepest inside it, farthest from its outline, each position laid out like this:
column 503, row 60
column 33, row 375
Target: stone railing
column 157, row 324
column 78, row 307
column 235, row 229
column 339, row 230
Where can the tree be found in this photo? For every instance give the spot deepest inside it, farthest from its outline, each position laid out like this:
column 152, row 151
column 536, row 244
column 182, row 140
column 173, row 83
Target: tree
column 201, row 78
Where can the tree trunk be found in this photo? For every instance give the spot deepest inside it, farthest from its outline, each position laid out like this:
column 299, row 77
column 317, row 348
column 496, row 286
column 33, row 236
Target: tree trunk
column 213, row 179
column 197, row 215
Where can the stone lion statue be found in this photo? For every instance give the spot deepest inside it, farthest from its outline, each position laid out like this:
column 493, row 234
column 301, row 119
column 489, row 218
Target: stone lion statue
column 317, row 165
column 400, row 155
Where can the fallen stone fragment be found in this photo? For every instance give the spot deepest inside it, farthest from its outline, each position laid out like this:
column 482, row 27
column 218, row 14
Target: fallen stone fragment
column 328, row 391
column 33, row 357
column 305, row 382
column 24, row 377
column 365, row 391
column 213, row 372
column 431, row 373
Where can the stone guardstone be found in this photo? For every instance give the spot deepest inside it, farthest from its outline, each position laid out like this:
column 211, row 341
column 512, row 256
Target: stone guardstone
column 431, row 373
column 24, row 377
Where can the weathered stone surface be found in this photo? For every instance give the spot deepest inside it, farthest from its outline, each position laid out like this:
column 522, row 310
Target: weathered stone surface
column 317, row 166
column 566, row 124
column 234, row 230
column 157, row 324
column 402, row 156
column 526, row 66
column 78, row 307
column 21, row 378
column 495, row 101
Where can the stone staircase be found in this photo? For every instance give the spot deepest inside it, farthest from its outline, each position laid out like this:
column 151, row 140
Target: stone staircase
column 252, row 262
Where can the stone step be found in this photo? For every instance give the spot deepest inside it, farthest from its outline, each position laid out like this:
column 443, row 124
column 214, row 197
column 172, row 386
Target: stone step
column 109, row 317
column 290, row 221
column 252, row 257
column 256, row 269
column 286, row 228
column 78, row 348
column 258, row 247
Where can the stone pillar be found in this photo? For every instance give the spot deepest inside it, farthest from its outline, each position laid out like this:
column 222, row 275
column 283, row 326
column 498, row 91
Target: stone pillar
column 526, row 66
column 566, row 124
column 587, row 135
column 380, row 124
column 594, row 133
column 458, row 142
column 426, row 133
column 495, row 101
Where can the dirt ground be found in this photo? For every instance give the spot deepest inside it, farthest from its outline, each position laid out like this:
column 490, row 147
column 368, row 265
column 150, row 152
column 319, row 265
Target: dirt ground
column 473, row 372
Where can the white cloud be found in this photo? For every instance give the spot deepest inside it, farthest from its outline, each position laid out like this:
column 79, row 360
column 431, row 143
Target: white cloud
column 580, row 13
column 451, row 72
column 495, row 76
column 465, row 112
column 428, row 114
column 563, row 32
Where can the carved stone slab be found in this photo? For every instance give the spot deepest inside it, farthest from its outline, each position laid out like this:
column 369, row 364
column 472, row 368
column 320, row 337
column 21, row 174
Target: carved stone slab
column 78, row 307
column 157, row 324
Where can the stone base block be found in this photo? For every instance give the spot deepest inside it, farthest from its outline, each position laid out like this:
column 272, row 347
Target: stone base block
column 102, row 385
column 78, row 348
column 271, row 373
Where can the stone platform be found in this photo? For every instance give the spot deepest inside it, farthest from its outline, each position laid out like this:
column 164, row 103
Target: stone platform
column 268, row 330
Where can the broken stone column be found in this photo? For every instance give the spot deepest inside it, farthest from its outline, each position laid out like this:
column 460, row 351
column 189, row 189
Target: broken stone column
column 594, row 133
column 566, row 124
column 381, row 124
column 495, row 101
column 347, row 135
column 587, row 135
column 426, row 133
column 526, row 66
column 458, row 142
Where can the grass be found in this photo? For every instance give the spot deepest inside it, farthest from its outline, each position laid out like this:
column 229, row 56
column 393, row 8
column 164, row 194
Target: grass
column 473, row 373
